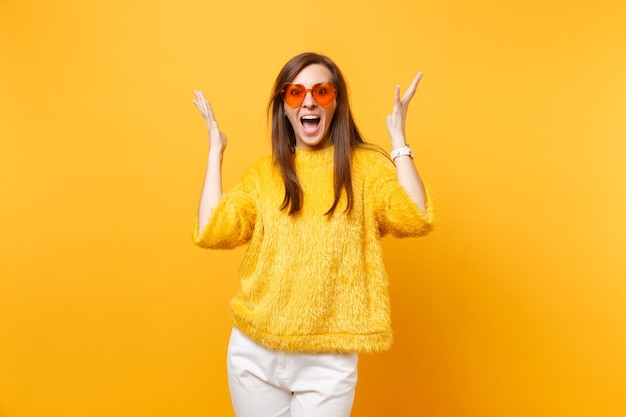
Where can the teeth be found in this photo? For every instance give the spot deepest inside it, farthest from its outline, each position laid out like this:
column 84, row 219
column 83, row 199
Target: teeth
column 310, row 117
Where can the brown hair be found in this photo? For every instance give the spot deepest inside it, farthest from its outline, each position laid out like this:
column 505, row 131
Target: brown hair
column 343, row 133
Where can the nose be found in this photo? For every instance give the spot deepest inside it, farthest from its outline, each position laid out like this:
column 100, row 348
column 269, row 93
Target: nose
column 309, row 101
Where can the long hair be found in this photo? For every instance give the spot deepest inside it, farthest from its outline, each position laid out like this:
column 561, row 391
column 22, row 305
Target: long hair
column 343, row 133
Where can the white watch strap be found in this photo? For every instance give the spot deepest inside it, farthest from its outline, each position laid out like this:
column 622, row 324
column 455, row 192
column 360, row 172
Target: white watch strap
column 405, row 150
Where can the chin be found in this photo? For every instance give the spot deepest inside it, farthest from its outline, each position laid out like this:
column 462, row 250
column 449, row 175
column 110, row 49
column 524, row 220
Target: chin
column 315, row 143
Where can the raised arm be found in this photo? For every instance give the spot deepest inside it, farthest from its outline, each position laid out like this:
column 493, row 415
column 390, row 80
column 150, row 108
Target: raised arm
column 212, row 188
column 408, row 176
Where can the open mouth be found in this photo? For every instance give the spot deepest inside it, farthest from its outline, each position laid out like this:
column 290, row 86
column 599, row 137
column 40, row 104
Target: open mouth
column 310, row 123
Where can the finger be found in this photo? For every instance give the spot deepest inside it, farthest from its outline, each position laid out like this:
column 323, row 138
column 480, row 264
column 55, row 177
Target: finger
column 198, row 104
column 397, row 103
column 199, row 96
column 200, row 100
column 201, row 108
column 210, row 115
column 412, row 88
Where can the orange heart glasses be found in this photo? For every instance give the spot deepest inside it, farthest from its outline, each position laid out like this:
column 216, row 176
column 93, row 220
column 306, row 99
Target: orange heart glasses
column 294, row 94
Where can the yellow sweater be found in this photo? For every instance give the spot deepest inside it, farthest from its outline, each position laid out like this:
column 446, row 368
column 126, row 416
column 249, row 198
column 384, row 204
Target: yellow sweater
column 310, row 282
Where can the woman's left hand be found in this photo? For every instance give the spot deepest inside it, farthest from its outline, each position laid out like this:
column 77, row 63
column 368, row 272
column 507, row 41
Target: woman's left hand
column 397, row 119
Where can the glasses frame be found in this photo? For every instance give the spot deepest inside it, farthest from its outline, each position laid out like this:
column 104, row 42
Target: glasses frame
column 311, row 90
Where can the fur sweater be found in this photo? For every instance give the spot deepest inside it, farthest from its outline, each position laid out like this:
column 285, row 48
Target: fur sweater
column 311, row 282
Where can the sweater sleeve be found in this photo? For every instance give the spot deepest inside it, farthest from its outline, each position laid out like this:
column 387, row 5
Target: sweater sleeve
column 232, row 221
column 395, row 212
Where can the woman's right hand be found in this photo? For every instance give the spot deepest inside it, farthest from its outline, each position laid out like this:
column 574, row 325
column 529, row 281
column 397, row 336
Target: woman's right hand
column 217, row 139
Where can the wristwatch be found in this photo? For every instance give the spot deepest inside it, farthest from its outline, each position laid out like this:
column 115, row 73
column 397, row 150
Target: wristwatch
column 405, row 150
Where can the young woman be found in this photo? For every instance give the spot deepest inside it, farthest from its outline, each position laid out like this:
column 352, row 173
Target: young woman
column 313, row 288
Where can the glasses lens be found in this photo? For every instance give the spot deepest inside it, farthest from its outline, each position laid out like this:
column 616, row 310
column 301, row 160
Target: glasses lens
column 323, row 93
column 293, row 94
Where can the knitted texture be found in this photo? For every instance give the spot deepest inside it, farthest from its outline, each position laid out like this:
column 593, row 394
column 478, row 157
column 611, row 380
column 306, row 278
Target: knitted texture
column 311, row 282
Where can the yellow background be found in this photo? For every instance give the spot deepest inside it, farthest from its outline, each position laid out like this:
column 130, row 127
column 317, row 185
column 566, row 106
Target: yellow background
column 514, row 306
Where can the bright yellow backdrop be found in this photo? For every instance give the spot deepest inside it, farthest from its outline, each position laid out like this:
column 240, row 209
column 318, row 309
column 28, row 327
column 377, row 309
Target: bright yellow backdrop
column 515, row 306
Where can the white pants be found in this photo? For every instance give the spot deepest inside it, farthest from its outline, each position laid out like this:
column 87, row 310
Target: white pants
column 270, row 383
